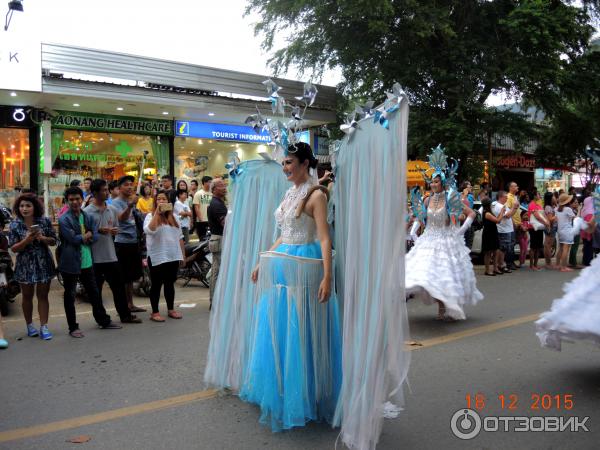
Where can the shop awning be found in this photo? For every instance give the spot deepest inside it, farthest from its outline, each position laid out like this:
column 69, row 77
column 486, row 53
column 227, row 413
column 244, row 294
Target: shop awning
column 413, row 174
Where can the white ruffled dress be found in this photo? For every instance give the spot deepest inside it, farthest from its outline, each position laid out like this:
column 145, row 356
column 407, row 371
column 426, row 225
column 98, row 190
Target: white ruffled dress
column 577, row 314
column 439, row 267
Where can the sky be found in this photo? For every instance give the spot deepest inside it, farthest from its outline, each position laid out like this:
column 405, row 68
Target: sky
column 204, row 32
column 212, row 33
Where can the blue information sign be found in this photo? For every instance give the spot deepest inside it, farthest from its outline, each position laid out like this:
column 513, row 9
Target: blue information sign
column 220, row 132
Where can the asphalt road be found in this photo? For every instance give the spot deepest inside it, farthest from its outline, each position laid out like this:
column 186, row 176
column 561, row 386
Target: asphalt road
column 141, row 387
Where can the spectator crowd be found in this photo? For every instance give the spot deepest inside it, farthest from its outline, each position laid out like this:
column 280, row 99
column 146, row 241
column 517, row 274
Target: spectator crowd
column 103, row 229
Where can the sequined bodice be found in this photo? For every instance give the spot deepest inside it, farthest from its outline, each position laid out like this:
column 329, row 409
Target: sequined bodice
column 437, row 218
column 301, row 230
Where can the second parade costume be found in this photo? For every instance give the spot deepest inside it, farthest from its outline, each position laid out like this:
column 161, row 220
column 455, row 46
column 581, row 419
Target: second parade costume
column 438, row 267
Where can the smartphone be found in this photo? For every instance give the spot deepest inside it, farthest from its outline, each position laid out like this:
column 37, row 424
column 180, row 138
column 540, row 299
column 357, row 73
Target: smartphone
column 34, row 228
column 164, row 207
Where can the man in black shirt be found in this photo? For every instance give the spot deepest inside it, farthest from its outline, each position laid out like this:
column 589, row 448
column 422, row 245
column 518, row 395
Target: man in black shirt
column 217, row 211
column 167, row 186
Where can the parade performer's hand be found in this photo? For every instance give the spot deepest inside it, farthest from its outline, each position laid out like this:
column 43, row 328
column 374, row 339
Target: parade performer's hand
column 254, row 276
column 325, row 290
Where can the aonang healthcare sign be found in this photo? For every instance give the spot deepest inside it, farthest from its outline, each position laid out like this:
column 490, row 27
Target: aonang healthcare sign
column 69, row 120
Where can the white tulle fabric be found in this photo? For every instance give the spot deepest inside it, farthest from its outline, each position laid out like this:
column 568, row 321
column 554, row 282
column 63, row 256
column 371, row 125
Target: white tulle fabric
column 577, row 314
column 439, row 267
column 369, row 193
column 254, row 197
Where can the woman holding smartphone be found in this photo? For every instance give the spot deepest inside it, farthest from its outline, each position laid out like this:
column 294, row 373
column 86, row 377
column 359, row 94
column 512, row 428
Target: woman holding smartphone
column 164, row 243
column 30, row 236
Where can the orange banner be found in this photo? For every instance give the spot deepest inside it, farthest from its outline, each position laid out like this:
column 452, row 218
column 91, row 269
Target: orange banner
column 413, row 175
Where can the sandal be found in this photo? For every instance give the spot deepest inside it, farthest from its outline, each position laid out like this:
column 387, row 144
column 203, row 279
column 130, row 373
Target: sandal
column 498, row 272
column 136, row 309
column 156, row 318
column 76, row 333
column 490, row 274
column 174, row 314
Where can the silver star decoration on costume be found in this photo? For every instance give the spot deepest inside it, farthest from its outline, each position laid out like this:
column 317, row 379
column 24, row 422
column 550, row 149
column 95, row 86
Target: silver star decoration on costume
column 296, row 114
column 395, row 97
column 278, row 104
column 309, row 94
column 272, row 88
column 350, row 124
column 365, row 110
column 257, row 121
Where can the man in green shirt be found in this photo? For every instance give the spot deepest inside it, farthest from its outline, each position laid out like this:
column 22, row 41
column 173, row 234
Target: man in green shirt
column 77, row 233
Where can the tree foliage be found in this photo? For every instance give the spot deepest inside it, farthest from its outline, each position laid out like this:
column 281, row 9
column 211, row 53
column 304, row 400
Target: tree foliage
column 449, row 56
column 574, row 124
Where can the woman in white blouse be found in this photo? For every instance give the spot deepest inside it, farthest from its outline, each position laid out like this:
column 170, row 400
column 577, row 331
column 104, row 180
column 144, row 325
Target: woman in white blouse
column 164, row 244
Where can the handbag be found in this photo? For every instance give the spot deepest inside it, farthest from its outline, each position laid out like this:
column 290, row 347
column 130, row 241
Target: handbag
column 535, row 223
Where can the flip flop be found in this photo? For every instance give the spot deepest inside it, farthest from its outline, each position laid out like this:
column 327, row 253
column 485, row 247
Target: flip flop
column 156, row 318
column 76, row 334
column 175, row 315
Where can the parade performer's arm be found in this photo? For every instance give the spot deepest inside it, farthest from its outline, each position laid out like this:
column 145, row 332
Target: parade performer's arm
column 254, row 276
column 317, row 207
column 413, row 230
column 470, row 217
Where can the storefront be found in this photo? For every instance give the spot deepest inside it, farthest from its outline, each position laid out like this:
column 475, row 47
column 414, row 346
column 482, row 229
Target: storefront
column 517, row 168
column 100, row 146
column 414, row 176
column 203, row 148
column 18, row 134
column 552, row 180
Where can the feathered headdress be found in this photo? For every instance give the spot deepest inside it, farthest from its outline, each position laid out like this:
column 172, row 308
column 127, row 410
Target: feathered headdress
column 443, row 167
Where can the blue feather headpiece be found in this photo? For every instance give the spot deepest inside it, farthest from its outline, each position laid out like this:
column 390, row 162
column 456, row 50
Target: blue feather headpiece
column 442, row 166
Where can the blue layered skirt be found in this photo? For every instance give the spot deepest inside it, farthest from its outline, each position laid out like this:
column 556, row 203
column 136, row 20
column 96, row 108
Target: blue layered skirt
column 294, row 371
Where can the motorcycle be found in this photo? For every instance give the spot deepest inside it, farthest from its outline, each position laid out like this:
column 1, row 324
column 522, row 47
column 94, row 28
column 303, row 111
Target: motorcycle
column 9, row 288
column 198, row 262
column 143, row 285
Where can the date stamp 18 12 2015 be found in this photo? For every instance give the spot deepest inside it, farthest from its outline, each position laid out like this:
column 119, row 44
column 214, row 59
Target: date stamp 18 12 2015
column 531, row 413
column 512, row 402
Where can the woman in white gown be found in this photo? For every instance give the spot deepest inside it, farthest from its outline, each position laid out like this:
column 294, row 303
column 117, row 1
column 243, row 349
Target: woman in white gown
column 438, row 267
column 577, row 314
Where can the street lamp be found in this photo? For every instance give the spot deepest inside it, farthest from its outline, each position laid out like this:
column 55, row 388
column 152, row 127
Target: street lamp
column 13, row 5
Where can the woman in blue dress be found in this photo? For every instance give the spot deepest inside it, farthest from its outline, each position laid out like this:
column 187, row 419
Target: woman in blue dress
column 30, row 236
column 294, row 369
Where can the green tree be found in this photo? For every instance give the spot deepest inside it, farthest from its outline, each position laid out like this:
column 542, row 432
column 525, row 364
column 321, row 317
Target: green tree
column 574, row 123
column 449, row 56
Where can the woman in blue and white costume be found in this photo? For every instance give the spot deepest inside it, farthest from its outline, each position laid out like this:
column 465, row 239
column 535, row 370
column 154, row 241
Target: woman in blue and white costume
column 294, row 371
column 438, row 267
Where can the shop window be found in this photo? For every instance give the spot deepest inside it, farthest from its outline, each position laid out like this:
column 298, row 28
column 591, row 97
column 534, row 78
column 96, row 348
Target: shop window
column 14, row 160
column 78, row 155
column 195, row 158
